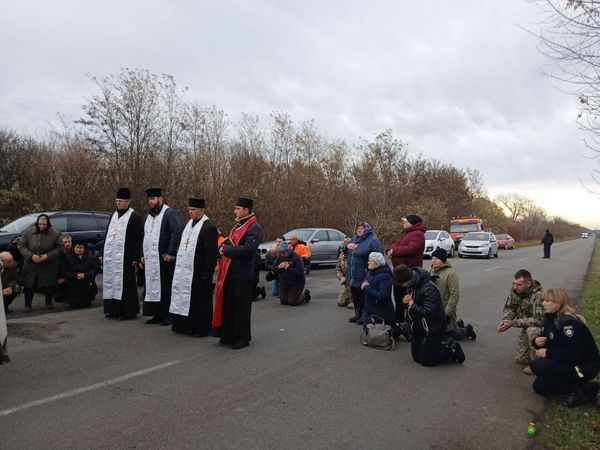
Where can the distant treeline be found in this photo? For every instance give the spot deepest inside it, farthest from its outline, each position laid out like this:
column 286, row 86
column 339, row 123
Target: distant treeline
column 141, row 131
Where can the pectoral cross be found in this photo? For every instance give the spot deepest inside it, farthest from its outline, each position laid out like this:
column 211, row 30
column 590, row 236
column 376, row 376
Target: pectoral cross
column 186, row 244
column 114, row 233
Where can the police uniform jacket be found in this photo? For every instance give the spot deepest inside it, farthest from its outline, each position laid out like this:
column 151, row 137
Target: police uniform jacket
column 569, row 341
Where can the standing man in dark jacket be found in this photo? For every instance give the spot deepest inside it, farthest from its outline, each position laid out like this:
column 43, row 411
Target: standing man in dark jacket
column 290, row 269
column 162, row 231
column 233, row 290
column 41, row 247
column 192, row 302
column 122, row 253
column 407, row 250
column 426, row 317
column 547, row 240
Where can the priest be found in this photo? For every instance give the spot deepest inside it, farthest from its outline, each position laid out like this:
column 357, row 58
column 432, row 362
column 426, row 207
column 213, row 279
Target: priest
column 122, row 252
column 191, row 294
column 234, row 287
column 162, row 231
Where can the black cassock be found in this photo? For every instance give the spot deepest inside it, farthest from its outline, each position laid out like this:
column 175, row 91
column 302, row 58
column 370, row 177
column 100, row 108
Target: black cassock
column 198, row 321
column 170, row 234
column 129, row 305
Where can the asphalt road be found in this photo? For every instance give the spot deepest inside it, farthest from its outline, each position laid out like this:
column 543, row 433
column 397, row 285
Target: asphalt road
column 78, row 380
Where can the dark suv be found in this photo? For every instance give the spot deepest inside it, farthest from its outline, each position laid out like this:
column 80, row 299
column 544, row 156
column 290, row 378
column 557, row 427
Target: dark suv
column 89, row 226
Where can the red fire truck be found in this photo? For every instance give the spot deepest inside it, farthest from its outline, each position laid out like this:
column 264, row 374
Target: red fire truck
column 459, row 226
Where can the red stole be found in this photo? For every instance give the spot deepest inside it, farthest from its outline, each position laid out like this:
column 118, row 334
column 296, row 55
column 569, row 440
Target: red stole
column 235, row 236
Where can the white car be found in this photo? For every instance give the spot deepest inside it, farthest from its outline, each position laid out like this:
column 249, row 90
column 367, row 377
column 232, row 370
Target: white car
column 438, row 239
column 481, row 243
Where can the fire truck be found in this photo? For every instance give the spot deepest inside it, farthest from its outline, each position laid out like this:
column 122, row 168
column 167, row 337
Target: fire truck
column 459, row 226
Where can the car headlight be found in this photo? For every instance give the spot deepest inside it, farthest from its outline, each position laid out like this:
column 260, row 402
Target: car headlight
column 429, row 249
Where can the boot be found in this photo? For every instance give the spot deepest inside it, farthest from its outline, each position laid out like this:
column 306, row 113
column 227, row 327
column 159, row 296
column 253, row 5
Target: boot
column 361, row 319
column 357, row 315
column 460, row 323
column 574, row 399
column 591, row 389
column 457, row 353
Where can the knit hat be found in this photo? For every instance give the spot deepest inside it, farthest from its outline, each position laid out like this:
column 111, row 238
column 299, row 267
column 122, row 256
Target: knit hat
column 413, row 219
column 440, row 253
column 283, row 247
column 402, row 273
column 378, row 258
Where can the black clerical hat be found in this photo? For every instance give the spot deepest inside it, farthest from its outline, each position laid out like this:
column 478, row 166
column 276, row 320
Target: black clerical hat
column 154, row 192
column 196, row 202
column 124, row 193
column 244, row 202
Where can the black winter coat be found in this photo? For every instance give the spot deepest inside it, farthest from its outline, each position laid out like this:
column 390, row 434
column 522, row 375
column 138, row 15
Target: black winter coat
column 426, row 314
column 293, row 276
column 242, row 255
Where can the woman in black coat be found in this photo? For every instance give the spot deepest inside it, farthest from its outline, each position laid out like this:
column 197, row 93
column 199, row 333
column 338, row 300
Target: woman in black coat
column 425, row 314
column 567, row 355
column 80, row 271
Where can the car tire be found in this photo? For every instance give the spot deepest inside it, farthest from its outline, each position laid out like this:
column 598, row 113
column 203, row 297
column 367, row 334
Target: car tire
column 460, row 256
column 489, row 255
column 496, row 255
column 450, row 253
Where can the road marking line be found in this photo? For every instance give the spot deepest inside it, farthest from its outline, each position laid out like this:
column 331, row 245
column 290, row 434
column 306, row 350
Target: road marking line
column 492, row 268
column 523, row 259
column 82, row 390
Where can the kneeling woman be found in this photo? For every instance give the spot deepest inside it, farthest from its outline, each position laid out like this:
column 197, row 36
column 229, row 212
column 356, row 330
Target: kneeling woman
column 426, row 317
column 378, row 291
column 567, row 355
column 290, row 269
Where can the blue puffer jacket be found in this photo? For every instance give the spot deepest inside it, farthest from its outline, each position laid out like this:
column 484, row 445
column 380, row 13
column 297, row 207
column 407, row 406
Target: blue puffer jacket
column 378, row 295
column 359, row 257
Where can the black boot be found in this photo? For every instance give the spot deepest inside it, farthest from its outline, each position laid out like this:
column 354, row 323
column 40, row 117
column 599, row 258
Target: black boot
column 457, row 352
column 574, row 399
column 591, row 389
column 460, row 323
column 361, row 319
column 470, row 332
column 357, row 315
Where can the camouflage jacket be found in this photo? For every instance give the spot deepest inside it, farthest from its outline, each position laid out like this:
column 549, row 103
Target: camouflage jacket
column 525, row 310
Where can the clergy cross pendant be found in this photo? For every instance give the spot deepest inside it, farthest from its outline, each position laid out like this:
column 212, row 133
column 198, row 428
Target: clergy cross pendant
column 114, row 233
column 186, row 244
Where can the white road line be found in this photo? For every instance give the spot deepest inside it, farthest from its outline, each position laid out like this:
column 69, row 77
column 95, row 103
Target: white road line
column 82, row 390
column 492, row 268
column 523, row 259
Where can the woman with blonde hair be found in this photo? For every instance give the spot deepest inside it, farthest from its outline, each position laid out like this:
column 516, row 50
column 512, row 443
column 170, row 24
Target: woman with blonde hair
column 567, row 355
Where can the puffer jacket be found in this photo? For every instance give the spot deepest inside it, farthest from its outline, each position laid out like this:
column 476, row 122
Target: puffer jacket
column 378, row 295
column 359, row 257
column 409, row 248
column 426, row 315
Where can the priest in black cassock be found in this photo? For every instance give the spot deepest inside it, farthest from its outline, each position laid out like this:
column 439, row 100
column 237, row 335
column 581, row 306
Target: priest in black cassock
column 191, row 294
column 122, row 253
column 235, row 288
column 162, row 231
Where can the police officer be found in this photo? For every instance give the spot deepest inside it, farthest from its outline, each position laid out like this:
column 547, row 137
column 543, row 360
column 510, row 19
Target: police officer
column 523, row 309
column 567, row 355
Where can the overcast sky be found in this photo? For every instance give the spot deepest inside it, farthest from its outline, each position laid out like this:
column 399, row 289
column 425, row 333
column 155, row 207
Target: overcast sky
column 457, row 81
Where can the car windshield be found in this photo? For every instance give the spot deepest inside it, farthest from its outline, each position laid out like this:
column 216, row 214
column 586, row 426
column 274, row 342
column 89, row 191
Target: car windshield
column 302, row 233
column 477, row 237
column 502, row 237
column 19, row 225
column 431, row 235
column 463, row 227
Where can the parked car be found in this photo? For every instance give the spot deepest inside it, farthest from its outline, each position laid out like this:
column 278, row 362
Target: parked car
column 505, row 241
column 480, row 243
column 89, row 226
column 584, row 235
column 438, row 239
column 323, row 242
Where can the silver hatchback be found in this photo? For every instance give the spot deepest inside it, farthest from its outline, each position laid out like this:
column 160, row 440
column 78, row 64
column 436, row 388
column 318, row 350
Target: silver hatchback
column 481, row 243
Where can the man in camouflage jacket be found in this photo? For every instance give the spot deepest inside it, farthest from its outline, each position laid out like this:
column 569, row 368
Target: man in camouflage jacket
column 523, row 309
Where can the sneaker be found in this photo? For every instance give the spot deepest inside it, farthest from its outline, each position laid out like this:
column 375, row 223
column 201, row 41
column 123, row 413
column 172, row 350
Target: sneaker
column 527, row 371
column 306, row 296
column 457, row 350
column 470, row 332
